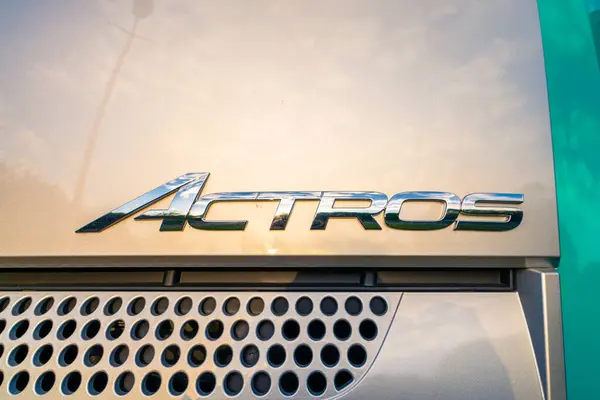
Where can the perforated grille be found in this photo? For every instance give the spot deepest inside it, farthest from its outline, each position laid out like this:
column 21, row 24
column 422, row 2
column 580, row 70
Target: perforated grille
column 199, row 344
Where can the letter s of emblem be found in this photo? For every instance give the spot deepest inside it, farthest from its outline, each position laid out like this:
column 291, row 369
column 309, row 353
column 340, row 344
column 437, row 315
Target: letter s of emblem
column 512, row 215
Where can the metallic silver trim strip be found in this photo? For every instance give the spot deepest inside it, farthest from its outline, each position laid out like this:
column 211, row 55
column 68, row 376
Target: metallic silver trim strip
column 539, row 292
column 293, row 262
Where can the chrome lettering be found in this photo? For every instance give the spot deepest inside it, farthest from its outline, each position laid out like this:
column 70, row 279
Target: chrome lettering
column 286, row 204
column 144, row 201
column 197, row 215
column 512, row 215
column 364, row 215
column 174, row 218
column 451, row 210
column 188, row 207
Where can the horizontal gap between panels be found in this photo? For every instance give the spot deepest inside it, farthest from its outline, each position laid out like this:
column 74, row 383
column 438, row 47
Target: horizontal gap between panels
column 491, row 279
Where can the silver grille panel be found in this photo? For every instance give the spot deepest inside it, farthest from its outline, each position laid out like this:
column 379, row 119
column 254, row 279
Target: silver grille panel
column 196, row 344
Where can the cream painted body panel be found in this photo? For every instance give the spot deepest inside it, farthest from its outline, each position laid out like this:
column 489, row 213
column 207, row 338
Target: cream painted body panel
column 386, row 96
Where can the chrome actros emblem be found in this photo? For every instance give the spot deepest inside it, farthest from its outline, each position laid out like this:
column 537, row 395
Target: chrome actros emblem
column 187, row 207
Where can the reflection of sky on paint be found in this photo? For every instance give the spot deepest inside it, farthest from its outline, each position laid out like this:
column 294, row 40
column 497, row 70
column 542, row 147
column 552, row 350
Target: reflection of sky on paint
column 276, row 96
column 42, row 112
column 215, row 67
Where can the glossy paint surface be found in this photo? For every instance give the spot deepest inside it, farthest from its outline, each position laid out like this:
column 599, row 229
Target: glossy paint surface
column 570, row 32
column 101, row 102
column 455, row 346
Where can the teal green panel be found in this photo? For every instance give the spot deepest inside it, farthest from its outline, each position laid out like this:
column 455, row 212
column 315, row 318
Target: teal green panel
column 572, row 65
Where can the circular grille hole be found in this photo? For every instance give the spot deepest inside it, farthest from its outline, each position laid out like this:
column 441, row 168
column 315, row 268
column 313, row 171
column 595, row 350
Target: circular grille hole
column 136, row 306
column 45, row 383
column 304, row 306
column 329, row 306
column 4, row 302
column 207, row 306
column 353, row 305
column 223, row 355
column 68, row 355
column 280, row 306
column 44, row 306
column 316, row 329
column 261, row 383
column 357, row 355
column 67, row 306
column 19, row 308
column 124, row 383
column 303, row 355
column 90, row 306
column 189, row 330
column 98, row 383
column 160, row 305
column 240, row 330
column 42, row 330
column 145, row 355
column 1, row 378
column 316, row 383
column 178, row 383
column 342, row 329
column 256, row 306
column 113, row 306
column 119, row 355
column 2, row 325
column 171, row 355
column 290, row 330
column 368, row 329
column 1, row 349
column 250, row 355
column 165, row 329
column 214, row 329
column 19, row 382
column 115, row 329
column 93, row 355
column 71, row 383
column 276, row 355
column 288, row 383
column 183, row 306
column 233, row 383
column 342, row 380
column 90, row 330
column 265, row 330
column 140, row 329
column 19, row 329
column 378, row 306
column 206, row 383
column 66, row 330
column 197, row 355
column 330, row 355
column 231, row 306
column 18, row 355
column 42, row 355
column 151, row 383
